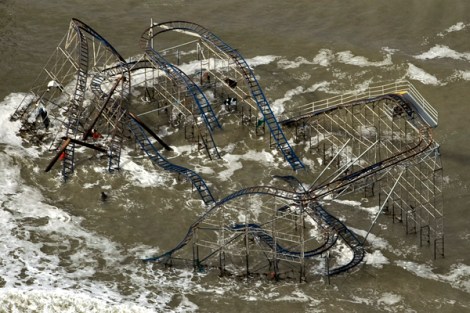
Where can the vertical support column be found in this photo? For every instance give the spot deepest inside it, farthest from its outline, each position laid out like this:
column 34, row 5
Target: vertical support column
column 275, row 259
column 410, row 221
column 425, row 232
column 222, row 245
column 247, row 251
column 302, row 277
column 196, row 263
column 439, row 244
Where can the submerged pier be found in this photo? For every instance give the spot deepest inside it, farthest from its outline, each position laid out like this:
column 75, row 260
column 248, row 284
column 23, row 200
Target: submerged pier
column 375, row 142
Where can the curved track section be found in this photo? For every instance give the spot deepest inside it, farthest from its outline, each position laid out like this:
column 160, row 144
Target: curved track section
column 207, row 113
column 111, row 110
column 313, row 195
column 406, row 106
column 152, row 152
column 316, row 192
column 253, row 84
column 206, row 137
column 346, row 234
column 256, row 231
column 247, row 191
column 83, row 38
column 73, row 118
column 179, row 77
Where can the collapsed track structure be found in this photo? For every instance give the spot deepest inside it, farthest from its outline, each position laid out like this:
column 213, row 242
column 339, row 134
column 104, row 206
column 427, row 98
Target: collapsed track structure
column 376, row 141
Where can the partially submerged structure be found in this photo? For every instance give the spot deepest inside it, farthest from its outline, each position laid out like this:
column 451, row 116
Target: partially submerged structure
column 376, row 142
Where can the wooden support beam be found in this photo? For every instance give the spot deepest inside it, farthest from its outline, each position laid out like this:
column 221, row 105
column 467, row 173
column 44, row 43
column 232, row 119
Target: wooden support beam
column 111, row 92
column 151, row 132
column 85, row 144
column 57, row 156
column 64, row 145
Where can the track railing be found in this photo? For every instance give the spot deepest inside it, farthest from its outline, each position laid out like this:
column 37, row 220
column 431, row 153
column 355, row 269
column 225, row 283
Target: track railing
column 402, row 87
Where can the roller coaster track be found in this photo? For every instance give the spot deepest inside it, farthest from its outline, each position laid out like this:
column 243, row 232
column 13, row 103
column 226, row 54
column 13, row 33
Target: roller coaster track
column 258, row 190
column 335, row 224
column 314, row 194
column 75, row 106
column 206, row 137
column 146, row 145
column 180, row 78
column 96, row 84
column 311, row 195
column 73, row 118
column 255, row 88
column 404, row 104
column 401, row 88
column 256, row 231
column 345, row 233
column 346, row 180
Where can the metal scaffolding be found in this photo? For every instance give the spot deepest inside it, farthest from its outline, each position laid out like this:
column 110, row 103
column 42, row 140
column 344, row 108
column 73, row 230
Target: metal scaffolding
column 375, row 142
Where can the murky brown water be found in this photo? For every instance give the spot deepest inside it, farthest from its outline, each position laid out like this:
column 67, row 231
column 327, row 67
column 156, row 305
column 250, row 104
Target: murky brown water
column 64, row 248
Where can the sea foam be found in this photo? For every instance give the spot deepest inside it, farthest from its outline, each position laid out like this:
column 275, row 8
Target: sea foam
column 326, row 57
column 9, row 129
column 421, row 75
column 441, row 51
column 454, row 28
column 20, row 300
column 458, row 277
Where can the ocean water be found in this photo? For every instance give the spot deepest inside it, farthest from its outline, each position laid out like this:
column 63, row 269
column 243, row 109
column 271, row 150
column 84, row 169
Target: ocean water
column 64, row 250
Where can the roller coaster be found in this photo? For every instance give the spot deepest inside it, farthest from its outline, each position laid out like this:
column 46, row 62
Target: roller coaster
column 377, row 142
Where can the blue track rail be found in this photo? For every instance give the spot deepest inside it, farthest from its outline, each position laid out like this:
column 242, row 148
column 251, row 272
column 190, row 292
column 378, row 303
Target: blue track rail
column 338, row 184
column 207, row 113
column 166, row 256
column 75, row 106
column 255, row 88
column 346, row 234
column 152, row 152
column 268, row 115
column 256, row 231
column 178, row 76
